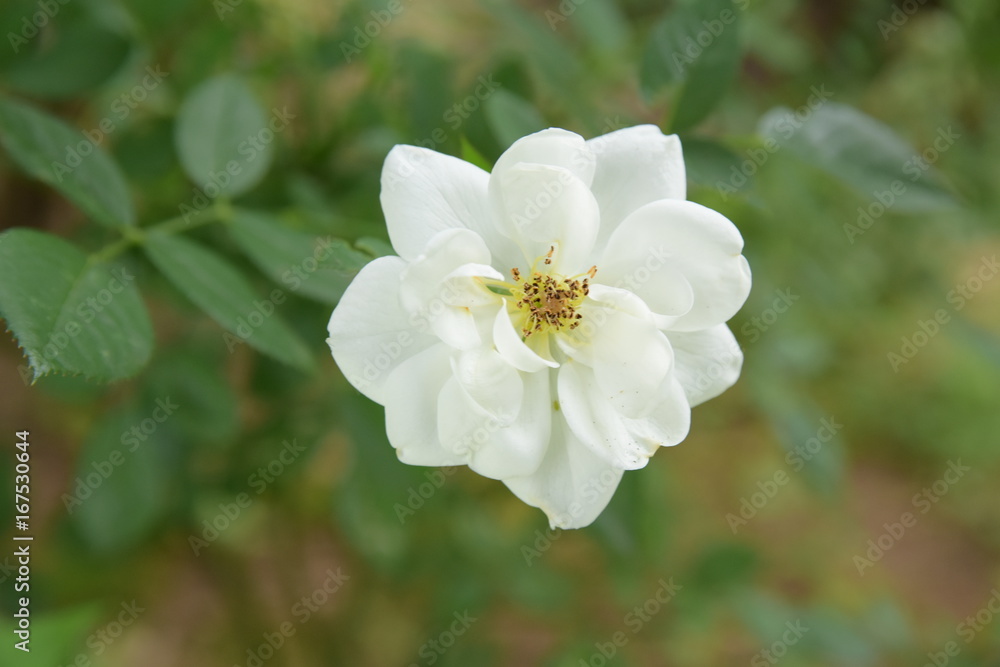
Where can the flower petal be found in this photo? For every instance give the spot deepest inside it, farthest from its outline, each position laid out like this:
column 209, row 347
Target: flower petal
column 629, row 355
column 489, row 447
column 635, row 166
column 545, row 207
column 706, row 362
column 553, row 147
column 425, row 192
column 572, row 485
column 492, row 383
column 510, row 346
column 370, row 332
column 431, row 288
column 674, row 239
column 669, row 421
column 411, row 404
column 593, row 419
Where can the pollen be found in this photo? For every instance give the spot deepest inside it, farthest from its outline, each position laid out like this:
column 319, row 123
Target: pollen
column 551, row 301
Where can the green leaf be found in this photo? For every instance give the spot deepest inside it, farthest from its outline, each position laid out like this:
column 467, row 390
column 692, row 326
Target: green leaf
column 77, row 56
column 223, row 137
column 69, row 314
column 219, row 289
column 511, row 117
column 710, row 164
column 61, row 156
column 319, row 267
column 862, row 152
column 123, row 475
column 697, row 45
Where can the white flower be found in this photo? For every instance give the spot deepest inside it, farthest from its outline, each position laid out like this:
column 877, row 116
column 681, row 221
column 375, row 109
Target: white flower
column 550, row 324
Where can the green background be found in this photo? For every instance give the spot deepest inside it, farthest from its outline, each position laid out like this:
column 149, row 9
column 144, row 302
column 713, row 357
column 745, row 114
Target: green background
column 855, row 146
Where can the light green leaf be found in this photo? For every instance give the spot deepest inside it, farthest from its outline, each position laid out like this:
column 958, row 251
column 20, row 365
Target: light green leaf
column 862, row 152
column 71, row 315
column 61, row 156
column 696, row 45
column 319, row 267
column 219, row 289
column 511, row 117
column 223, row 137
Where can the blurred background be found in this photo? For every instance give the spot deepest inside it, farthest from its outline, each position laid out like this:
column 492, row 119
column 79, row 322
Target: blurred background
column 213, row 492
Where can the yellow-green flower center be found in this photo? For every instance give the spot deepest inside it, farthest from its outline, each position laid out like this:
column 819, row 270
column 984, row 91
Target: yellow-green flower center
column 549, row 302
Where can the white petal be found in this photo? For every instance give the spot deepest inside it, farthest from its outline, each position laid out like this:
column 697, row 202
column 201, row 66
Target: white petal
column 423, row 279
column 456, row 327
column 425, row 192
column 668, row 423
column 491, row 382
column 411, row 403
column 673, row 239
column 618, row 339
column 490, row 448
column 544, row 207
column 433, row 291
column 706, row 362
column 510, row 346
column 635, row 166
column 553, row 147
column 593, row 419
column 370, row 332
column 572, row 485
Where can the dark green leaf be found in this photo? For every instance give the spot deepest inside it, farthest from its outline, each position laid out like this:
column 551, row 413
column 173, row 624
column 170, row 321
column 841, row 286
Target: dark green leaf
column 224, row 138
column 319, row 267
column 863, row 153
column 61, row 156
column 70, row 315
column 123, row 476
column 223, row 292
column 511, row 117
column 76, row 56
column 696, row 45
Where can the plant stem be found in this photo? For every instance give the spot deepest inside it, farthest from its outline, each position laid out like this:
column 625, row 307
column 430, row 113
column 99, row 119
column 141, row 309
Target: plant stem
column 221, row 211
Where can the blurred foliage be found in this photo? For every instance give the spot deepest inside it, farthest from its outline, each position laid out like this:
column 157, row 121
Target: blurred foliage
column 221, row 161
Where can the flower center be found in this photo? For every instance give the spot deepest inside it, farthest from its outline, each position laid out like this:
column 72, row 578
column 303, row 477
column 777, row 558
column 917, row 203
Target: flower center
column 550, row 301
